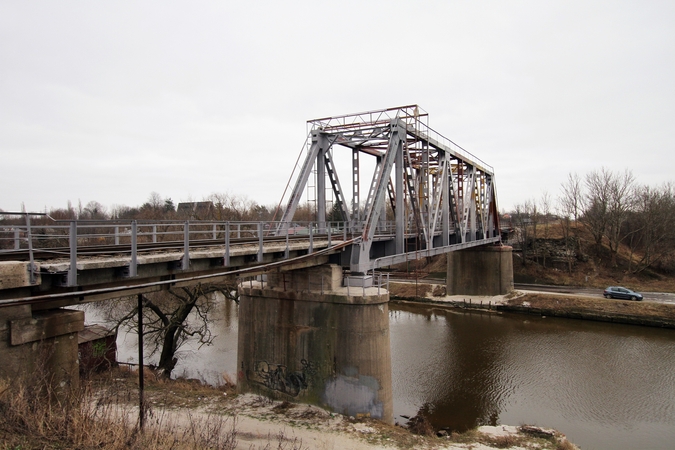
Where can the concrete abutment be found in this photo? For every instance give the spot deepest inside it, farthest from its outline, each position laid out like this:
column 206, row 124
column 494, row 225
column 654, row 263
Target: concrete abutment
column 41, row 344
column 304, row 337
column 486, row 270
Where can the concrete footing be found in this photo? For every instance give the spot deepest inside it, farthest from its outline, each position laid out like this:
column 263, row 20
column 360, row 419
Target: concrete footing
column 303, row 337
column 480, row 271
column 40, row 345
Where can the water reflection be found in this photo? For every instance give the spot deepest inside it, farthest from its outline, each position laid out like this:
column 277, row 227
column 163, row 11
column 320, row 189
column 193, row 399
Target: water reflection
column 604, row 385
column 465, row 363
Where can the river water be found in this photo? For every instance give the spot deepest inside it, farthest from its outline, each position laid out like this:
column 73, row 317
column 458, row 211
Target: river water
column 606, row 386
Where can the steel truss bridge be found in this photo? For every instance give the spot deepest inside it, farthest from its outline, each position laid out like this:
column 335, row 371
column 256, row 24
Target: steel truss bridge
column 441, row 197
column 426, row 196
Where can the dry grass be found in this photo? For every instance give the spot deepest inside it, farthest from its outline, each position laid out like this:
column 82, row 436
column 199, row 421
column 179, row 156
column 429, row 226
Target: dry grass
column 121, row 386
column 32, row 417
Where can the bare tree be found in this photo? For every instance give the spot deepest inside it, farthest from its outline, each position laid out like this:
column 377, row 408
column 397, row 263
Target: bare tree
column 545, row 212
column 597, row 198
column 229, row 206
column 154, row 208
column 533, row 212
column 94, row 211
column 521, row 217
column 650, row 228
column 571, row 206
column 165, row 319
column 621, row 197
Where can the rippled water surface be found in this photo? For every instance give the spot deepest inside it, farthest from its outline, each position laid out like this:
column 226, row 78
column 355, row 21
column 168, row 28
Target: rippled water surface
column 606, row 386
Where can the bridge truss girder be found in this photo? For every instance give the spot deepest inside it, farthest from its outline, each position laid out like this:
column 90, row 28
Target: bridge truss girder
column 441, row 196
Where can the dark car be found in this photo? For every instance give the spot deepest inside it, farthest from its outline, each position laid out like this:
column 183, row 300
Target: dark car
column 621, row 292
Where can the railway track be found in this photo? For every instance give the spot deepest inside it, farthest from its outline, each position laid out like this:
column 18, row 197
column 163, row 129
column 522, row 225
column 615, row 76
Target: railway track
column 23, row 254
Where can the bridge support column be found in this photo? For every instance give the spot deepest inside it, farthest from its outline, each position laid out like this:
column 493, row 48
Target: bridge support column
column 40, row 344
column 303, row 337
column 480, row 271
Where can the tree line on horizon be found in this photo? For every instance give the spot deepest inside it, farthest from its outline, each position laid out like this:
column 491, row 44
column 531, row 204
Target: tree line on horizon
column 217, row 207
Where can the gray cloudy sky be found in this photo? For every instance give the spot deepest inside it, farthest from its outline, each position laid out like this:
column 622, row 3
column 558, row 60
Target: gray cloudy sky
column 109, row 101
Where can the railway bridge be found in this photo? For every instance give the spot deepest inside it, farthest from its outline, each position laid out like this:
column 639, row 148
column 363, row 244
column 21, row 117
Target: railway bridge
column 313, row 312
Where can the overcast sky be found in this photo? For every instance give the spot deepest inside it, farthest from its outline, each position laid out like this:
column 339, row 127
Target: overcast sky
column 110, row 101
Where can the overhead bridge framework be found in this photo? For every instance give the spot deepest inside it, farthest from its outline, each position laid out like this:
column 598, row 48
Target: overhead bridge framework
column 428, row 193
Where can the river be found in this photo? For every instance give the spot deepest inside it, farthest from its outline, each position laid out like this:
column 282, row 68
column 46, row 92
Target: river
column 606, row 386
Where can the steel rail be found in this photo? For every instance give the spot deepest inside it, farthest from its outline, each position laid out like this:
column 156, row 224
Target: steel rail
column 44, row 253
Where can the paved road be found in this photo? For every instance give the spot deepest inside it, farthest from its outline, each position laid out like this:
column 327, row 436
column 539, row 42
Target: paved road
column 660, row 297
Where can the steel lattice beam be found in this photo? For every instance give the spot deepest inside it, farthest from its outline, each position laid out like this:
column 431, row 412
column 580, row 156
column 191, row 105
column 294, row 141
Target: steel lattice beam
column 440, row 194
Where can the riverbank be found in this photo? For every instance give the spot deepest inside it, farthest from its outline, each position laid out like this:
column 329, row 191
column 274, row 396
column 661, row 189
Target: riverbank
column 571, row 306
column 261, row 423
column 186, row 414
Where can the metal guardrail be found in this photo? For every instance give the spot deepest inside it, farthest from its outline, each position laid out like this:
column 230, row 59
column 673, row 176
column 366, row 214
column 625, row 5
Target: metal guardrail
column 48, row 238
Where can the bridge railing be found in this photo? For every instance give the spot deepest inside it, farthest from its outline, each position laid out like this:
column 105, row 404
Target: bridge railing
column 50, row 239
column 55, row 238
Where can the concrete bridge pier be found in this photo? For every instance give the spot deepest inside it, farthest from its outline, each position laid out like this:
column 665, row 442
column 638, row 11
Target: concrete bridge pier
column 40, row 344
column 485, row 270
column 304, row 337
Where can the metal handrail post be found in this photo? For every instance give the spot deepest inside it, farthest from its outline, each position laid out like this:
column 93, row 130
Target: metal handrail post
column 287, row 252
column 227, row 245
column 72, row 241
column 133, row 264
column 260, row 242
column 17, row 238
column 215, row 232
column 329, row 226
column 311, row 239
column 186, row 245
column 141, row 393
column 30, row 250
column 117, row 235
column 154, row 234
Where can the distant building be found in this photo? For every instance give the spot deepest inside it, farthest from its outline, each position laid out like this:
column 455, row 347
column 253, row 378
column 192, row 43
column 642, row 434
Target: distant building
column 195, row 210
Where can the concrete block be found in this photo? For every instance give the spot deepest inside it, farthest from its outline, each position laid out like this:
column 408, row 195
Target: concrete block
column 9, row 313
column 327, row 277
column 480, row 271
column 15, row 274
column 53, row 354
column 46, row 324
